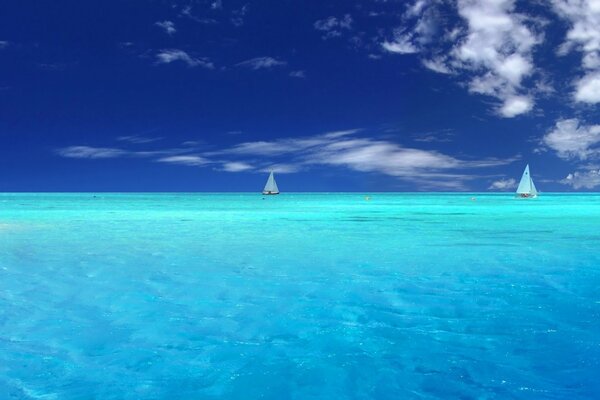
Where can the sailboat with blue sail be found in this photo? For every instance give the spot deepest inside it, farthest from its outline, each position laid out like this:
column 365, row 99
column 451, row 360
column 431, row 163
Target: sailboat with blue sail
column 271, row 186
column 526, row 189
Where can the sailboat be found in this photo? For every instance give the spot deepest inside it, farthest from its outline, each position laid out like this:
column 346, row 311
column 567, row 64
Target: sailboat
column 271, row 186
column 526, row 187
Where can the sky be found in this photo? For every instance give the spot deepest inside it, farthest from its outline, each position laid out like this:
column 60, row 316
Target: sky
column 366, row 96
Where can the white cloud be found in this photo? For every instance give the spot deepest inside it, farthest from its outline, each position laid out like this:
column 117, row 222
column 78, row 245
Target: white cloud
column 189, row 160
column 187, row 12
column 516, row 105
column 236, row 166
column 420, row 28
column 440, row 136
column 298, row 74
column 344, row 149
column 402, row 44
column 583, row 179
column 262, row 63
column 282, row 168
column 570, row 140
column 285, row 146
column 503, row 184
column 437, row 65
column 493, row 50
column 90, row 152
column 238, row 15
column 333, row 27
column 498, row 48
column 167, row 26
column 583, row 35
column 168, row 56
column 588, row 88
column 136, row 139
column 110, row 152
column 3, row 44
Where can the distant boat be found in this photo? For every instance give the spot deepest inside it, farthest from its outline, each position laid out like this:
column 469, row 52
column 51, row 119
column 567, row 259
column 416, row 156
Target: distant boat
column 271, row 186
column 526, row 187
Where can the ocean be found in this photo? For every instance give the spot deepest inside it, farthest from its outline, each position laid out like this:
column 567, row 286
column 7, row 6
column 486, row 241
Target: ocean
column 299, row 296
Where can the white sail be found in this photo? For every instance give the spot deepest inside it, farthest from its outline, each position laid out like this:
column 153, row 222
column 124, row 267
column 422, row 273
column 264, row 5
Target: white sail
column 526, row 186
column 271, row 186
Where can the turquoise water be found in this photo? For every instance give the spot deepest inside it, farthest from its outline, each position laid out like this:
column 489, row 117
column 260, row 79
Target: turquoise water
column 299, row 296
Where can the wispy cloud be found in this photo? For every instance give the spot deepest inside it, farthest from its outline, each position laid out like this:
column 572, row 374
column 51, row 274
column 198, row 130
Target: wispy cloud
column 136, row 139
column 167, row 26
column 420, row 25
column 298, row 74
column 285, row 146
column 187, row 12
column 437, row 65
column 281, row 168
column 583, row 35
column 333, row 26
column 90, row 152
column 189, row 160
column 367, row 154
column 236, row 166
column 237, row 16
column 262, row 63
column 341, row 149
column 168, row 56
column 441, row 136
column 401, row 44
column 3, row 44
column 503, row 184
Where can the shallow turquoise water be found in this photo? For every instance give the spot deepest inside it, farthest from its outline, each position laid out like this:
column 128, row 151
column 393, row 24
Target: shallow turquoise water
column 298, row 296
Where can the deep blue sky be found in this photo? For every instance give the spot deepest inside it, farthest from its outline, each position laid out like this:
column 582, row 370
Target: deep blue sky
column 339, row 95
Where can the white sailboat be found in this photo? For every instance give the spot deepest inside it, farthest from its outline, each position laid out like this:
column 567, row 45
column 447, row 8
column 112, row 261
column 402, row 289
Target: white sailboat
column 271, row 186
column 526, row 187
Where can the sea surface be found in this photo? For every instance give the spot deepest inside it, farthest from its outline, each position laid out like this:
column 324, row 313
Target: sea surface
column 299, row 296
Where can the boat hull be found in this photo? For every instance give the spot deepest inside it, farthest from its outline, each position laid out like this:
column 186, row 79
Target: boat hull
column 269, row 193
column 526, row 196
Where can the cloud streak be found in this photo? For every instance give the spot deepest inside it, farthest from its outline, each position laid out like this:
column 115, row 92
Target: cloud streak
column 340, row 149
column 168, row 56
column 90, row 152
column 189, row 160
column 262, row 63
column 136, row 139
